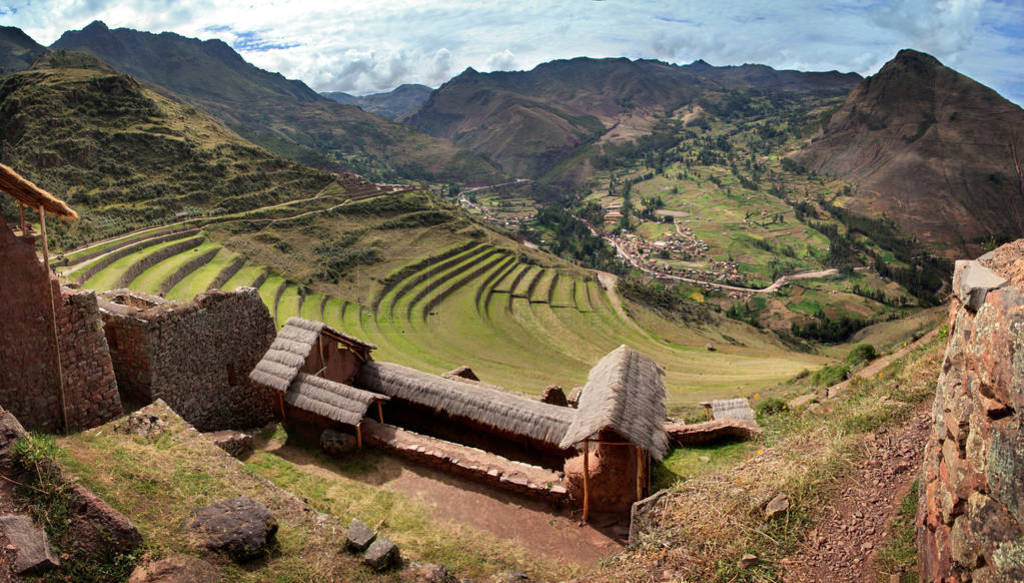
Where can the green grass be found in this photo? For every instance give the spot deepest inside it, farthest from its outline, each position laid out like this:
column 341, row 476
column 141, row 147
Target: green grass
column 149, row 280
column 199, row 280
column 899, row 555
column 689, row 462
column 108, row 277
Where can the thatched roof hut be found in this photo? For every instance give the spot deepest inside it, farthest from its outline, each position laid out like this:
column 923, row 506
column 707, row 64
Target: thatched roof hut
column 327, row 398
column 293, row 344
column 30, row 195
column 623, row 393
column 495, row 408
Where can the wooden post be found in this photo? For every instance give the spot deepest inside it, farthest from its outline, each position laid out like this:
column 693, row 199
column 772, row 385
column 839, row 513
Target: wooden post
column 53, row 320
column 22, row 218
column 586, row 479
column 359, row 436
column 323, row 361
column 380, row 413
column 280, row 399
column 639, row 474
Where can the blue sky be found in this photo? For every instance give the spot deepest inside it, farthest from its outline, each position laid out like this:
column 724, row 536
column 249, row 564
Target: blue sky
column 375, row 45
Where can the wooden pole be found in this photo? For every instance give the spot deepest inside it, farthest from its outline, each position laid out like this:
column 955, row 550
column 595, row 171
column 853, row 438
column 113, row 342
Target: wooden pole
column 639, row 474
column 323, row 361
column 280, row 399
column 380, row 413
column 53, row 321
column 23, row 233
column 586, row 479
column 359, row 436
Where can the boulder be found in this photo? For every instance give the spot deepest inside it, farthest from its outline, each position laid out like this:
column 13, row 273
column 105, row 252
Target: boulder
column 145, row 425
column 97, row 529
column 236, row 443
column 241, row 527
column 337, row 443
column 463, row 372
column 715, row 431
column 175, row 568
column 10, row 431
column 381, row 554
column 975, row 282
column 29, row 541
column 553, row 395
column 359, row 536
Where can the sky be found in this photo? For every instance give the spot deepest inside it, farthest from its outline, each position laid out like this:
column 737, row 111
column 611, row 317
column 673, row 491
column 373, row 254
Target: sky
column 368, row 46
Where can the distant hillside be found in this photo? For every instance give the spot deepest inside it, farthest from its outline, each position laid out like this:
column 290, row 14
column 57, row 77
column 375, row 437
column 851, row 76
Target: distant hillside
column 394, row 104
column 932, row 149
column 17, row 50
column 529, row 121
column 125, row 156
column 283, row 115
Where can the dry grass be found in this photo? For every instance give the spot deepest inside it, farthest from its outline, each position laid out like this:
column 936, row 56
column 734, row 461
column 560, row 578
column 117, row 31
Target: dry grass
column 709, row 522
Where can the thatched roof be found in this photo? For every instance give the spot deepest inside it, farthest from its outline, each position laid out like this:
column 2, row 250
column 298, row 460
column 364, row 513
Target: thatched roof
column 738, row 408
column 623, row 393
column 330, row 399
column 289, row 351
column 27, row 193
column 492, row 407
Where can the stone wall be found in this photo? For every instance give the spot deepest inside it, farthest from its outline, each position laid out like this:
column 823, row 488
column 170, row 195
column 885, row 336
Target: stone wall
column 196, row 356
column 28, row 371
column 971, row 519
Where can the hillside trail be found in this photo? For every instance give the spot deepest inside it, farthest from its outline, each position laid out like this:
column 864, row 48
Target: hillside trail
column 880, row 363
column 844, row 540
column 607, row 281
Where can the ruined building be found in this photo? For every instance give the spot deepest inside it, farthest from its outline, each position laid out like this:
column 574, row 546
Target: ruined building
column 55, row 369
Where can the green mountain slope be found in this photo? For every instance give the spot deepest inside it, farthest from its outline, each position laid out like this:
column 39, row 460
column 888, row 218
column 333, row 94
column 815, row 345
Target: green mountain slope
column 282, row 115
column 932, row 149
column 126, row 156
column 530, row 121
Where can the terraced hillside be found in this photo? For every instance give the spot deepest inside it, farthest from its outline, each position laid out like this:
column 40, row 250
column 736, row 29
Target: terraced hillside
column 517, row 321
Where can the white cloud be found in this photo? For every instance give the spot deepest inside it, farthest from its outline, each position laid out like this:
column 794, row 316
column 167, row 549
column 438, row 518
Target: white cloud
column 364, row 46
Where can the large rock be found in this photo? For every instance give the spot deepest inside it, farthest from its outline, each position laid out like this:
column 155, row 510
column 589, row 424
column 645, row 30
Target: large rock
column 427, row 573
column 727, row 429
column 142, row 424
column 381, row 554
column 97, row 529
column 553, row 395
column 29, row 541
column 359, row 536
column 337, row 443
column 241, row 527
column 10, row 431
column 975, row 282
column 236, row 443
column 176, row 568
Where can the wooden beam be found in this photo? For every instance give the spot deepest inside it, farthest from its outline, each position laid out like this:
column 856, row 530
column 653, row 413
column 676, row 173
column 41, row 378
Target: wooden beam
column 586, row 479
column 380, row 413
column 53, row 322
column 280, row 399
column 323, row 361
column 22, row 205
column 359, row 436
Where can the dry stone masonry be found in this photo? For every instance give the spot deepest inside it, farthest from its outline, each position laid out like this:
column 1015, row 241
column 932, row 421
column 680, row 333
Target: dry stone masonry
column 971, row 518
column 196, row 356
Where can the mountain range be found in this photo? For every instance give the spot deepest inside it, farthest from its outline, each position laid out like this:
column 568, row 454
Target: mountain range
column 395, row 104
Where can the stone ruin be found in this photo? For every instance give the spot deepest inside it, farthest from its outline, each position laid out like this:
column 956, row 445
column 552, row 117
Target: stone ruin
column 196, row 356
column 29, row 386
column 970, row 522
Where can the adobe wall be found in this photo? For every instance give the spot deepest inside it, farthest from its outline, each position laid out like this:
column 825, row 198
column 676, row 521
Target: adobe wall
column 612, row 475
column 970, row 522
column 196, row 356
column 28, row 373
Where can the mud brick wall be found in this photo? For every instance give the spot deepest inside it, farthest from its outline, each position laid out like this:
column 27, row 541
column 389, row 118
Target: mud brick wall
column 195, row 356
column 970, row 522
column 28, row 372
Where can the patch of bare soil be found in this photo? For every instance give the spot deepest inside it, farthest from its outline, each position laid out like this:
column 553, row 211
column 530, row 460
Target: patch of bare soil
column 849, row 532
column 533, row 524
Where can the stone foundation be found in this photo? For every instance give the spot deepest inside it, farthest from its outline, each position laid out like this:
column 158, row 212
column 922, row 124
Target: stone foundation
column 196, row 356
column 971, row 518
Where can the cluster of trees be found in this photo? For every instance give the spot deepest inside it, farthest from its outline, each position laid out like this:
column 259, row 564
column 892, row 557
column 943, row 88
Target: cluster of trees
column 571, row 239
column 824, row 329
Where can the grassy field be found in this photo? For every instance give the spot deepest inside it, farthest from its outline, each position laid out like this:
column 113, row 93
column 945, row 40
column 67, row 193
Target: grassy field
column 520, row 325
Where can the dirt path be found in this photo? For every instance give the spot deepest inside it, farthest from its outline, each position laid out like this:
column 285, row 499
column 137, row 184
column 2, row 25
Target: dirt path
column 533, row 524
column 607, row 281
column 844, row 541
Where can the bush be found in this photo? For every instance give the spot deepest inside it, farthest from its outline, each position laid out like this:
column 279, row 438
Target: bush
column 862, row 353
column 770, row 406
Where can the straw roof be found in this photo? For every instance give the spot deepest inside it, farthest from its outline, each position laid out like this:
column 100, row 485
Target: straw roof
column 623, row 393
column 289, row 351
column 27, row 193
column 492, row 407
column 330, row 399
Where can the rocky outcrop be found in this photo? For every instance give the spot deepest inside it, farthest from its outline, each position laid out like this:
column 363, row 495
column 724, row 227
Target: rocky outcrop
column 971, row 518
column 242, row 528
